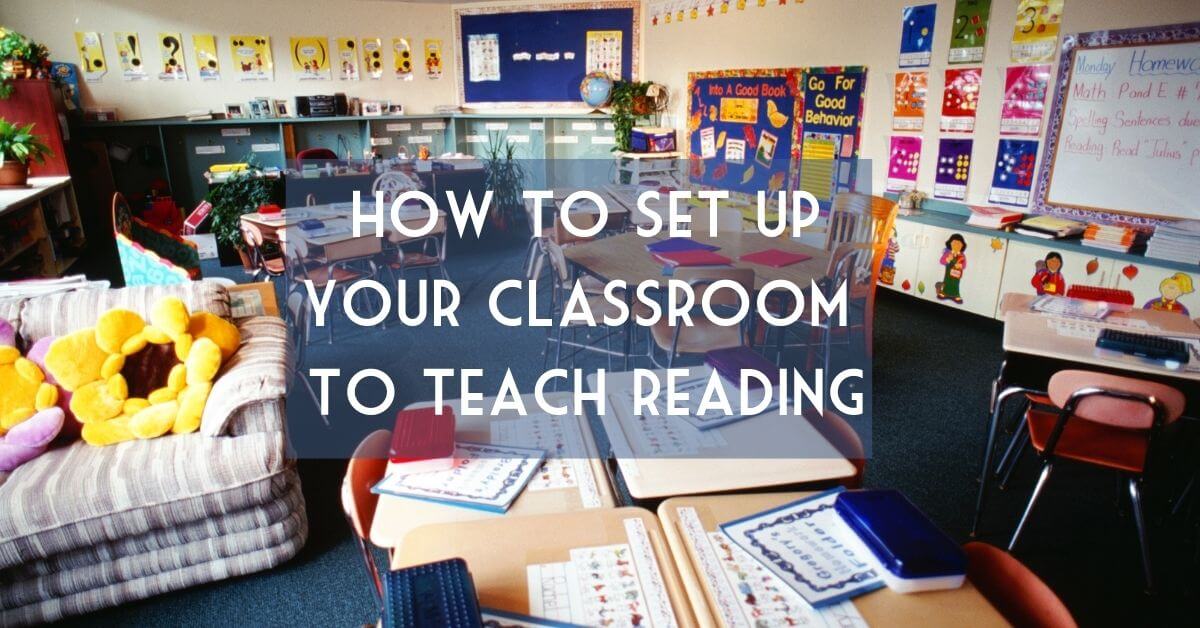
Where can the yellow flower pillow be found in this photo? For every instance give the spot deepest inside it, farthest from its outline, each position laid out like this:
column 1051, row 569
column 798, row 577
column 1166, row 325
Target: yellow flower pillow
column 132, row 379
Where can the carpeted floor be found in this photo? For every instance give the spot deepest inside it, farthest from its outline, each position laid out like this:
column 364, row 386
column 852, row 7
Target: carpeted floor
column 931, row 381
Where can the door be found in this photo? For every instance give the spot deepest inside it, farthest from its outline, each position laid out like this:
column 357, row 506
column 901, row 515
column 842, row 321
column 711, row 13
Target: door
column 900, row 262
column 1046, row 269
column 1155, row 287
column 961, row 269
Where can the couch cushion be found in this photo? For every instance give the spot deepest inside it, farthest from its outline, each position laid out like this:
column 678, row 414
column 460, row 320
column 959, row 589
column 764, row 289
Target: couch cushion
column 256, row 373
column 81, row 495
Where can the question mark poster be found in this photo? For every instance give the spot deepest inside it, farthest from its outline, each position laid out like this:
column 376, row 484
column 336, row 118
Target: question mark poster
column 372, row 56
column 129, row 54
column 310, row 58
column 205, row 47
column 171, row 52
column 347, row 58
column 251, row 57
column 91, row 55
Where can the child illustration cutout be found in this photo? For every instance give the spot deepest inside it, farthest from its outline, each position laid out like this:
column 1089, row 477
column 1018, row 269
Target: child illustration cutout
column 1048, row 279
column 954, row 258
column 887, row 270
column 1170, row 290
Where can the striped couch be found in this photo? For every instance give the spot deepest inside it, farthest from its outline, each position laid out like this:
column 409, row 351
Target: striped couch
column 83, row 528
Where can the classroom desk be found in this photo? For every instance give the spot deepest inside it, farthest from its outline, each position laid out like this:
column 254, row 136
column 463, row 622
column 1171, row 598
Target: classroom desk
column 332, row 248
column 964, row 606
column 768, row 450
column 498, row 551
column 397, row 516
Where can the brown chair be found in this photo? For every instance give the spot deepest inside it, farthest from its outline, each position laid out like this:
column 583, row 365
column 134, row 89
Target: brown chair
column 704, row 335
column 561, row 285
column 365, row 469
column 426, row 253
column 298, row 268
column 859, row 218
column 1015, row 591
column 845, row 440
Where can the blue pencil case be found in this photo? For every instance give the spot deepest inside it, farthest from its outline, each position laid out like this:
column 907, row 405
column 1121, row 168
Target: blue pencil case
column 434, row 594
column 914, row 553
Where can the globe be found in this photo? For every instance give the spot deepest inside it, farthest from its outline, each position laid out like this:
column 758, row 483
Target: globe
column 596, row 89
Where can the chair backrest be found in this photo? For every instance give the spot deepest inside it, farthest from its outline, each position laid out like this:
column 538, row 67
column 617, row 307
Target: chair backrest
column 365, row 468
column 702, row 278
column 392, row 184
column 1114, row 400
column 1016, row 592
column 845, row 439
column 728, row 220
column 580, row 220
column 558, row 261
column 860, row 218
column 319, row 153
column 122, row 216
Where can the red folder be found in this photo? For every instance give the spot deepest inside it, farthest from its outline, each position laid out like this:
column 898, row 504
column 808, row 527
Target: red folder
column 421, row 434
column 775, row 258
column 677, row 259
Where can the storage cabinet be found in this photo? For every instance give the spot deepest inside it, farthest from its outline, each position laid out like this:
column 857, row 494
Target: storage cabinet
column 1055, row 275
column 40, row 231
column 969, row 278
column 900, row 263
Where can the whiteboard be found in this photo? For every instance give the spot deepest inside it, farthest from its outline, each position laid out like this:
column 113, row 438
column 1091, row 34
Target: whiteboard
column 1127, row 130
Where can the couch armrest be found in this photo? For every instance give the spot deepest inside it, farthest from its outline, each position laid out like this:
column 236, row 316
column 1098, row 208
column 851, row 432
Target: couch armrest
column 256, row 377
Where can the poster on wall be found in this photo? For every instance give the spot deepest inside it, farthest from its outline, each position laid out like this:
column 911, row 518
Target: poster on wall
column 604, row 53
column 433, row 58
column 402, row 59
column 129, row 55
column 310, row 58
column 372, row 56
column 953, row 168
column 909, row 101
column 91, row 55
column 830, row 130
column 1024, row 99
column 483, row 57
column 904, row 160
column 171, row 65
column 968, row 37
column 1035, row 35
column 916, row 35
column 205, row 48
column 1013, row 174
column 251, row 57
column 347, row 58
column 960, row 100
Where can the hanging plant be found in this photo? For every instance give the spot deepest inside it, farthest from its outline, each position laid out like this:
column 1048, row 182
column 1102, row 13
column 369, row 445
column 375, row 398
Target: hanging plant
column 629, row 103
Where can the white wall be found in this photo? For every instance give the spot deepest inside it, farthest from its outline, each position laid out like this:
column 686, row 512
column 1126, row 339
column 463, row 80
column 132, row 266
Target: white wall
column 867, row 32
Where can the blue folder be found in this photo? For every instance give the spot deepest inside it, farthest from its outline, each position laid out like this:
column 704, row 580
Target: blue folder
column 676, row 245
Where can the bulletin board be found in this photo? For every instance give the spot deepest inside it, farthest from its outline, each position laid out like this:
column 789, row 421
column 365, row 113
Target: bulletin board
column 538, row 55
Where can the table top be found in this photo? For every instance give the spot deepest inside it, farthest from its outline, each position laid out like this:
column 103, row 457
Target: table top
column 624, row 257
column 964, row 606
column 38, row 187
column 396, row 516
column 768, row 450
column 498, row 551
column 1073, row 340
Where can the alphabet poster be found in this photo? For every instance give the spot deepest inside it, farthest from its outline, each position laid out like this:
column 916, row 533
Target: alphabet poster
column 1024, row 99
column 129, row 54
column 171, row 66
column 1013, row 173
column 604, row 53
column 960, row 100
column 953, row 168
column 372, row 52
column 310, row 58
column 916, row 35
column 910, row 98
column 91, row 55
column 252, row 57
column 402, row 59
column 347, row 59
column 1035, row 35
column 205, row 47
column 969, row 35
column 904, row 160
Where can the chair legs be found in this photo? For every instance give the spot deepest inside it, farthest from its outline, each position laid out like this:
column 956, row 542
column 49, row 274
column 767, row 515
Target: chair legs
column 1139, row 519
column 1021, row 443
column 1037, row 492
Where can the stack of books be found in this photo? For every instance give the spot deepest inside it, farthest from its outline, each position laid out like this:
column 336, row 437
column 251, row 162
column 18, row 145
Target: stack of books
column 992, row 217
column 1114, row 238
column 1177, row 242
column 1049, row 227
column 675, row 252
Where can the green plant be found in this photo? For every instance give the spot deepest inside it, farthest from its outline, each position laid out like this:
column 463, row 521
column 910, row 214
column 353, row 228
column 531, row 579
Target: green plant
column 242, row 193
column 505, row 177
column 628, row 104
column 18, row 51
column 20, row 144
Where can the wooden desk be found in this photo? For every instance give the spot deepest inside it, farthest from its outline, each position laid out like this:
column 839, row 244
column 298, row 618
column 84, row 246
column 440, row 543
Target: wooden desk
column 397, row 516
column 333, row 248
column 499, row 550
column 964, row 606
column 779, row 451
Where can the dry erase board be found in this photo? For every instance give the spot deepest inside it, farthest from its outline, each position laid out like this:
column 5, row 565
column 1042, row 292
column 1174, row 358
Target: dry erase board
column 1124, row 135
column 537, row 55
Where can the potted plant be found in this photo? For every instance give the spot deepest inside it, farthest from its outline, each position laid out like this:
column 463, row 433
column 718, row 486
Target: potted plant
column 20, row 57
column 629, row 102
column 242, row 193
column 505, row 177
column 18, row 146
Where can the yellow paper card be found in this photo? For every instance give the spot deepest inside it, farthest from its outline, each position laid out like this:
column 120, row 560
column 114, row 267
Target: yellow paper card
column 402, row 58
column 1035, row 35
column 347, row 58
column 433, row 58
column 172, row 66
column 372, row 56
column 91, row 55
column 743, row 110
column 205, row 47
column 251, row 56
column 310, row 58
column 129, row 54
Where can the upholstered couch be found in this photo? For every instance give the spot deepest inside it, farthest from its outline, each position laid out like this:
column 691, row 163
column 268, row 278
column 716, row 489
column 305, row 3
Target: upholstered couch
column 82, row 527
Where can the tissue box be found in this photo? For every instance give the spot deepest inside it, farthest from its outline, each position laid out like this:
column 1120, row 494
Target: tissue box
column 652, row 140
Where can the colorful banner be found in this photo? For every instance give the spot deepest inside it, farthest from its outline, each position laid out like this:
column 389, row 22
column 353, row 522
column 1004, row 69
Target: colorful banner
column 1014, row 172
column 953, row 168
column 129, row 55
column 1035, row 35
column 372, row 56
column 969, row 35
column 904, row 160
column 402, row 59
column 91, row 55
column 960, row 100
column 347, row 58
column 310, row 57
column 663, row 12
column 205, row 47
column 1024, row 99
column 916, row 35
column 251, row 56
column 833, row 101
column 172, row 66
column 909, row 101
column 433, row 58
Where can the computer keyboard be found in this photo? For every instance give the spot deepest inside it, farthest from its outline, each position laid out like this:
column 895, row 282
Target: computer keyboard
column 1143, row 345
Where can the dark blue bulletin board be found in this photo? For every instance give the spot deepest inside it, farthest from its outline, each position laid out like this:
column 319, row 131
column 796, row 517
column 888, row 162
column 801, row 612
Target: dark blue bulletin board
column 747, row 112
column 830, row 130
column 550, row 28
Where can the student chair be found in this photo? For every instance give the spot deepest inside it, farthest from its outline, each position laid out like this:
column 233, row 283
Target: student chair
column 1102, row 420
column 728, row 221
column 426, row 253
column 561, row 284
column 704, row 335
column 266, row 265
column 365, row 468
column 859, row 218
column 298, row 268
column 1015, row 591
column 317, row 154
column 392, row 184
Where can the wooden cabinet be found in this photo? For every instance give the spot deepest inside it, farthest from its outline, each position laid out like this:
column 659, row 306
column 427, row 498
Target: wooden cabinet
column 38, row 102
column 40, row 230
column 1053, row 268
column 1156, row 287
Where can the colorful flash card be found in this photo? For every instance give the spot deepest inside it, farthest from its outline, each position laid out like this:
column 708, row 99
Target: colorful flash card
column 129, row 54
column 604, row 53
column 402, row 59
column 347, row 58
column 433, row 58
column 708, row 143
column 91, row 55
column 916, row 35
column 767, row 142
column 252, row 57
column 372, row 57
column 903, row 162
column 205, row 47
column 310, row 57
column 969, row 34
column 1035, row 35
column 953, row 168
column 1024, row 99
column 735, row 151
column 1014, row 172
column 960, row 100
column 910, row 98
column 172, row 66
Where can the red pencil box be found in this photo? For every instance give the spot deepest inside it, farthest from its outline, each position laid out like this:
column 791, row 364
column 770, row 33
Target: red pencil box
column 423, row 440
